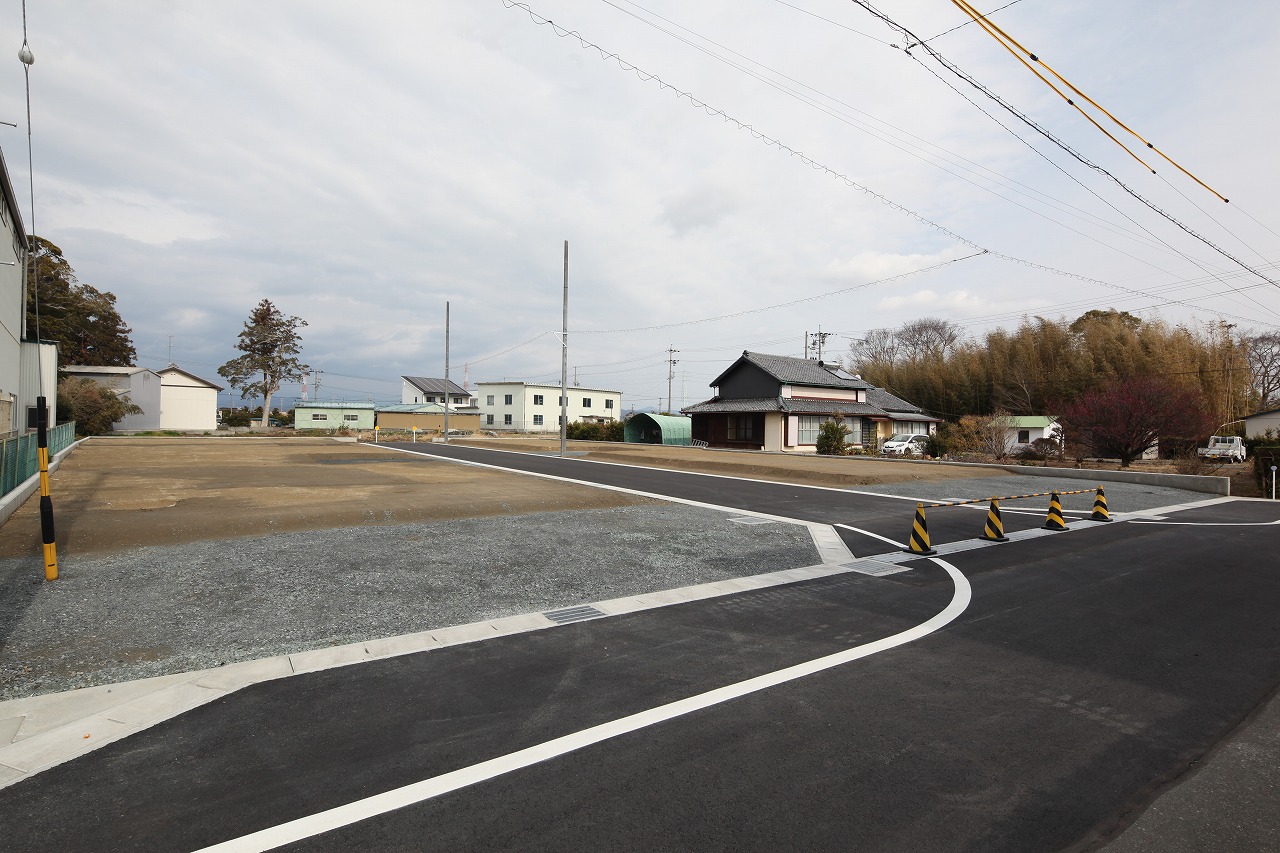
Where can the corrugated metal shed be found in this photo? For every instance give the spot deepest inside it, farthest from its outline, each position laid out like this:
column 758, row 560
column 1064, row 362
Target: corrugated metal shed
column 644, row 428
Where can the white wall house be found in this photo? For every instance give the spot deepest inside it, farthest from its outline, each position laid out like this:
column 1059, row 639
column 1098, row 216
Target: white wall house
column 536, row 408
column 187, row 402
column 142, row 386
column 1256, row 425
column 334, row 416
column 424, row 389
column 1026, row 429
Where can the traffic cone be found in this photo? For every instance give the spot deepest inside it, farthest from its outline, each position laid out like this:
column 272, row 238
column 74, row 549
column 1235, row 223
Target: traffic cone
column 920, row 535
column 1054, row 520
column 1100, row 507
column 994, row 529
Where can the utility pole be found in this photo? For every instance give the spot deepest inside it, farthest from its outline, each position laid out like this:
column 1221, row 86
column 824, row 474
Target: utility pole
column 819, row 338
column 564, row 357
column 672, row 361
column 446, row 372
column 171, row 349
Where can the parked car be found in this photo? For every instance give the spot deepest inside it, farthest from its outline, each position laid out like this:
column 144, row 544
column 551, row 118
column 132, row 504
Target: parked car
column 905, row 444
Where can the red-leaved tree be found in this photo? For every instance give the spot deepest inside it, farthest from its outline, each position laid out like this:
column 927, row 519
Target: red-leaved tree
column 1128, row 416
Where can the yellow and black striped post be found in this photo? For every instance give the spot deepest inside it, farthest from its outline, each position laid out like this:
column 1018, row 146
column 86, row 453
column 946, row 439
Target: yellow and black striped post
column 46, row 502
column 1054, row 520
column 1100, row 507
column 993, row 531
column 919, row 540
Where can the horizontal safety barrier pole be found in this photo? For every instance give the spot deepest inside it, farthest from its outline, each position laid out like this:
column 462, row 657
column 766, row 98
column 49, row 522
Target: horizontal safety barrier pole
column 1013, row 497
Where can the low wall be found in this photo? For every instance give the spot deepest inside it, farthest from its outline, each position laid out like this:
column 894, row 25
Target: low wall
column 9, row 503
column 1189, row 482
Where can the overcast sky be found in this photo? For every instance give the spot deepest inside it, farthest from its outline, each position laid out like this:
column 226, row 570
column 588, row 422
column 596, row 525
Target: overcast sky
column 360, row 164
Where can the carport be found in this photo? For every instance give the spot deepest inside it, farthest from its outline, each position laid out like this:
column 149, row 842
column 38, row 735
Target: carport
column 644, row 428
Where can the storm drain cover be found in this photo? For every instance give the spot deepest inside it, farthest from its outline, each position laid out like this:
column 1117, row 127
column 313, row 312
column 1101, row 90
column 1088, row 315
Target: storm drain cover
column 747, row 519
column 875, row 568
column 573, row 614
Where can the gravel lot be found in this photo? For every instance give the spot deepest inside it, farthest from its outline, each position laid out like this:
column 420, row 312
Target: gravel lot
column 159, row 610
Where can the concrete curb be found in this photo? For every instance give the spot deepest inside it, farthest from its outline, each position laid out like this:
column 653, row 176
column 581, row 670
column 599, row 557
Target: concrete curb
column 9, row 503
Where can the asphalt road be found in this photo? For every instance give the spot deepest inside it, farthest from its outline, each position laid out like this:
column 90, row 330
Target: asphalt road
column 1073, row 677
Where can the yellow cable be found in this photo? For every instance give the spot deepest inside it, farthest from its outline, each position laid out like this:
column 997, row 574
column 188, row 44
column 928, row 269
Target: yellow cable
column 992, row 29
column 983, row 23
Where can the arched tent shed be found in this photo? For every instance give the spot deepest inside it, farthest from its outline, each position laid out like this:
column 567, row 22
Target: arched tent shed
column 644, row 428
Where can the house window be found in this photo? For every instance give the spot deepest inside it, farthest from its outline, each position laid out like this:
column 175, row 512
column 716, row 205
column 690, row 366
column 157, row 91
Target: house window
column 428, row 399
column 537, row 420
column 488, row 419
column 586, row 402
column 741, row 428
column 316, row 416
column 506, row 400
column 506, row 419
column 559, row 401
column 808, row 429
column 1024, row 436
column 488, row 401
column 351, row 417
column 608, row 404
column 537, row 399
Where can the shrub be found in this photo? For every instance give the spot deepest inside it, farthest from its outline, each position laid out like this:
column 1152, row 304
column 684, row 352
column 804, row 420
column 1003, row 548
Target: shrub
column 584, row 431
column 831, row 437
column 1040, row 450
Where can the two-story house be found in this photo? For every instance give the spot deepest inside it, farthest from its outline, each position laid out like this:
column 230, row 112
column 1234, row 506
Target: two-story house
column 776, row 402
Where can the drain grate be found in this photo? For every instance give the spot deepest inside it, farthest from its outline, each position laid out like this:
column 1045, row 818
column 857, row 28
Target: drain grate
column 573, row 614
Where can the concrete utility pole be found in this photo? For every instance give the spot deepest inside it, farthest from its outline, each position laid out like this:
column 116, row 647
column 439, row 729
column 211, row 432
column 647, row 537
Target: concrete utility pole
column 446, row 372
column 564, row 357
column 672, row 361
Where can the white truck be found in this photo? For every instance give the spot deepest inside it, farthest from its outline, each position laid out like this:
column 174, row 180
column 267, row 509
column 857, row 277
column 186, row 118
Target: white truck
column 1230, row 447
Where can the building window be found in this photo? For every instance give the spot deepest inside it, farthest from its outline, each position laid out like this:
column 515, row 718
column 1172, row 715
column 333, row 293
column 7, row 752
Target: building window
column 1024, row 436
column 351, row 417
column 488, row 419
column 559, row 401
column 537, row 420
column 488, row 401
column 608, row 404
column 506, row 419
column 316, row 416
column 741, row 428
column 428, row 399
column 537, row 399
column 560, row 420
column 586, row 402
column 506, row 400
column 807, row 433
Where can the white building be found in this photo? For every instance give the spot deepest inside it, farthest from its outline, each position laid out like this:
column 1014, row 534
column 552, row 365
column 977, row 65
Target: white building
column 1023, row 430
column 142, row 386
column 1256, row 425
column 536, row 408
column 187, row 402
column 424, row 389
column 27, row 370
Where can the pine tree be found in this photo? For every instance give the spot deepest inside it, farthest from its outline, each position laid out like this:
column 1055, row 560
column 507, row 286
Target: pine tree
column 270, row 343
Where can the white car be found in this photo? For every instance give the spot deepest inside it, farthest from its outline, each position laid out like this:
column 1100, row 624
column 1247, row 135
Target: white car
column 905, row 444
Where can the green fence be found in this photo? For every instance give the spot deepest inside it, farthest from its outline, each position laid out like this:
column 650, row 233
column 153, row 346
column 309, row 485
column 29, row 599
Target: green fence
column 19, row 459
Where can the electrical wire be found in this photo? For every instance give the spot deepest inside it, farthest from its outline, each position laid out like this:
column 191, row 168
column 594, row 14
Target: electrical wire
column 892, row 24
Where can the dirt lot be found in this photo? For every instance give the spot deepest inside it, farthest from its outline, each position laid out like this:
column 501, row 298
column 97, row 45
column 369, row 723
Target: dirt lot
column 118, row 493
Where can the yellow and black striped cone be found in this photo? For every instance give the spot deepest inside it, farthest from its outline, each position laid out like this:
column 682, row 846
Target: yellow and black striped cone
column 919, row 540
column 994, row 529
column 1054, row 520
column 1100, row 507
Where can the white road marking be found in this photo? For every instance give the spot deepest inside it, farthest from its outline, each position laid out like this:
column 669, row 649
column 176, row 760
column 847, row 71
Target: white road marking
column 417, row 792
column 1205, row 523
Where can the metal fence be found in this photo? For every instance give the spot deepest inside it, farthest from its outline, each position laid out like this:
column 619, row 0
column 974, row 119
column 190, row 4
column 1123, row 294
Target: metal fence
column 19, row 459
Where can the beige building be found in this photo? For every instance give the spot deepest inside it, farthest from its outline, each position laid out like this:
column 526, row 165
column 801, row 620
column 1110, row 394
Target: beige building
column 426, row 417
column 187, row 402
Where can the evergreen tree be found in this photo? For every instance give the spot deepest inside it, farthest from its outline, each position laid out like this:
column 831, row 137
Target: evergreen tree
column 82, row 319
column 270, row 343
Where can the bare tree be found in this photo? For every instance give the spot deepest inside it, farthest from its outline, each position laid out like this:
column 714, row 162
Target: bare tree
column 878, row 349
column 1263, row 353
column 928, row 337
